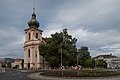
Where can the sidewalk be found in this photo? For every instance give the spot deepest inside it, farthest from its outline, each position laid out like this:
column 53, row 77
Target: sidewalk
column 36, row 76
column 26, row 70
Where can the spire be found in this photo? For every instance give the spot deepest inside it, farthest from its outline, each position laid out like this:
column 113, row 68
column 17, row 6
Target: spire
column 33, row 22
column 33, row 10
column 33, row 14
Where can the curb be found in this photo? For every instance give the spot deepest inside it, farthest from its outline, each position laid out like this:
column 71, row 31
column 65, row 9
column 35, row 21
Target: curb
column 36, row 76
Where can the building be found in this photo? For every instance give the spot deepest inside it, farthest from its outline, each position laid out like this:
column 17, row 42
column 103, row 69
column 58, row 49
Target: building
column 2, row 62
column 0, row 65
column 8, row 62
column 111, row 60
column 113, row 63
column 33, row 37
column 2, row 69
column 18, row 63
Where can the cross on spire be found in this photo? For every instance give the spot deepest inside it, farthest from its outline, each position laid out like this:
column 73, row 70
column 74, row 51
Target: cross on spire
column 33, row 10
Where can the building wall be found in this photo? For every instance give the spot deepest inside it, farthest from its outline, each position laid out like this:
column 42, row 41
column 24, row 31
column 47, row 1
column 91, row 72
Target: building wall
column 113, row 63
column 18, row 63
column 32, row 44
column 0, row 65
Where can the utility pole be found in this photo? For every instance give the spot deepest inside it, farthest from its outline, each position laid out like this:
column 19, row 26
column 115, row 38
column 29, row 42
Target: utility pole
column 61, row 54
column 62, row 51
column 61, row 58
column 61, row 63
column 77, row 59
column 77, row 63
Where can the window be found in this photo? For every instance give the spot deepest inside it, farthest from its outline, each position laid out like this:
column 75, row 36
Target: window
column 28, row 52
column 36, row 35
column 25, row 32
column 36, row 53
column 29, row 36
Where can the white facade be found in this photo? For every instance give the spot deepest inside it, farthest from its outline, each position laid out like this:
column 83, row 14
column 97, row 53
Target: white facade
column 113, row 63
column 17, row 63
column 33, row 37
column 31, row 48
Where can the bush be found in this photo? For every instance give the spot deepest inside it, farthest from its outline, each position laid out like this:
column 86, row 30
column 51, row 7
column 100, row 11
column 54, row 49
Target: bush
column 81, row 73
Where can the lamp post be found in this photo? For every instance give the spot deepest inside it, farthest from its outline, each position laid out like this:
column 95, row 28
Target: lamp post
column 78, row 62
column 61, row 55
column 77, row 59
column 61, row 63
column 63, row 36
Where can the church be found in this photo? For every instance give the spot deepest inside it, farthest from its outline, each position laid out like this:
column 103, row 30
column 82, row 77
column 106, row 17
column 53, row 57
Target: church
column 33, row 38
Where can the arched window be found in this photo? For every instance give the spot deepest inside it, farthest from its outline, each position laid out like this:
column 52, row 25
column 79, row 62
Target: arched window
column 28, row 52
column 36, row 35
column 29, row 36
column 36, row 53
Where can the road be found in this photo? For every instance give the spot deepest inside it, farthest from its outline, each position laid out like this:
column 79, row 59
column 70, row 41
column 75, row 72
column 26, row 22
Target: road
column 14, row 75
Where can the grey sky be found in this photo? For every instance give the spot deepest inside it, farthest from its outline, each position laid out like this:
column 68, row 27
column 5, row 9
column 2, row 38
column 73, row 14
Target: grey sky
column 95, row 23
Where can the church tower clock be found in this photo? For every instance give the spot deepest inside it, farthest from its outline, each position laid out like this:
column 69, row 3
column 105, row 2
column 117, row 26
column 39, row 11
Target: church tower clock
column 33, row 37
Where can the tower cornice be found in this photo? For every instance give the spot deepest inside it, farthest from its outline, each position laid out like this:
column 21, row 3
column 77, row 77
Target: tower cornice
column 32, row 28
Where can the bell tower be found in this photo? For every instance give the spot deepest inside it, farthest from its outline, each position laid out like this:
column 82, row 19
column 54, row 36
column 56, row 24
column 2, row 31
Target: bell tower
column 33, row 37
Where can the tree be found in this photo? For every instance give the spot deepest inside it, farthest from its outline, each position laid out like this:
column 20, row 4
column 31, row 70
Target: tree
column 84, row 53
column 90, row 63
column 58, row 42
column 84, row 56
column 100, row 63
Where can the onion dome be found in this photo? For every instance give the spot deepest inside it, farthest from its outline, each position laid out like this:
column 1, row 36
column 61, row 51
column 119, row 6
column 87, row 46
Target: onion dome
column 33, row 22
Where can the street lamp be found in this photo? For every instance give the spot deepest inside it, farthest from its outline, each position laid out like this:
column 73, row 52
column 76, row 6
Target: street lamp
column 77, row 59
column 63, row 36
column 78, row 54
column 64, row 30
column 61, row 55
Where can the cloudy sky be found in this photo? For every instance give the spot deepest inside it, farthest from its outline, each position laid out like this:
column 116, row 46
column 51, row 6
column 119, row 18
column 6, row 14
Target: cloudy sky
column 95, row 23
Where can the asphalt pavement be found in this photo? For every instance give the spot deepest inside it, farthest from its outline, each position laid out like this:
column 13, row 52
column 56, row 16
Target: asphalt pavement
column 11, row 74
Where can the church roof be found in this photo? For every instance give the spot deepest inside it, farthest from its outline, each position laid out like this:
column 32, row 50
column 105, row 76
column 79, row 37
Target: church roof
column 33, row 22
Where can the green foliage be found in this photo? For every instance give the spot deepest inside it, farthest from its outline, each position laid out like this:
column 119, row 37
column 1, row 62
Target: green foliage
column 63, row 42
column 82, row 73
column 90, row 63
column 100, row 63
column 84, row 53
column 58, row 42
column 85, row 58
